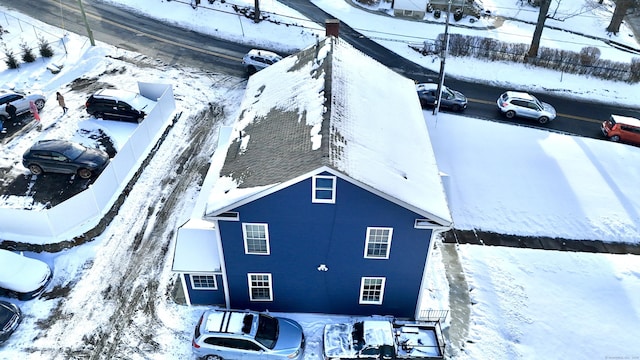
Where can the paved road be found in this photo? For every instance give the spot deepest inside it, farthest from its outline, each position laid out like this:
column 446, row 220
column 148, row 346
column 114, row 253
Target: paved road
column 121, row 28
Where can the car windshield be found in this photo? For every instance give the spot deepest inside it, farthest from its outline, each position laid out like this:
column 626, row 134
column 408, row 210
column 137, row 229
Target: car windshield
column 5, row 314
column 73, row 151
column 267, row 333
column 537, row 102
column 447, row 94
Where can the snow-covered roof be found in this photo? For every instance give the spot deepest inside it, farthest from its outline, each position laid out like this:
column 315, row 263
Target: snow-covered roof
column 332, row 107
column 413, row 5
column 199, row 235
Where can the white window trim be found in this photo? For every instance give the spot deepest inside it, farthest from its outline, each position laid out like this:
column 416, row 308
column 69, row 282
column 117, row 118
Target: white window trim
column 266, row 235
column 384, row 281
column 366, row 243
column 314, row 188
column 251, row 287
column 215, row 282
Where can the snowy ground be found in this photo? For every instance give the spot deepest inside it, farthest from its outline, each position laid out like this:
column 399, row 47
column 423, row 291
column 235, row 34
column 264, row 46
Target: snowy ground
column 112, row 297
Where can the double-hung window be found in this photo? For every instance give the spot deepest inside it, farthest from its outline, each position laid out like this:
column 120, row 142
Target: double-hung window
column 378, row 243
column 324, row 189
column 203, row 282
column 372, row 290
column 256, row 239
column 260, row 287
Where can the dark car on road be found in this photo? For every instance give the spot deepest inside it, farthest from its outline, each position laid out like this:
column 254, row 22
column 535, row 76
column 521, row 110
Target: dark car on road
column 450, row 99
column 119, row 105
column 61, row 156
column 10, row 318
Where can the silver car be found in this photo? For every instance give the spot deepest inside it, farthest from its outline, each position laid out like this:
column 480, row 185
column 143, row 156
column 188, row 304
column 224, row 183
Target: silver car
column 256, row 60
column 233, row 334
column 521, row 104
column 20, row 100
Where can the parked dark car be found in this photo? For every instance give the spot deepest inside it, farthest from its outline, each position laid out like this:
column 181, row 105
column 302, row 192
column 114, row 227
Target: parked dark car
column 21, row 276
column 119, row 105
column 10, row 318
column 450, row 99
column 60, row 156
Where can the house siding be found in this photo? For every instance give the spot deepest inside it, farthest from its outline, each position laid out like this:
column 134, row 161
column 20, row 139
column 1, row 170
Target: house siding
column 205, row 297
column 304, row 235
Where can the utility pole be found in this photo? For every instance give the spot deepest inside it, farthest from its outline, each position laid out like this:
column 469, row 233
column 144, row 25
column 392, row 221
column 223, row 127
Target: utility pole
column 445, row 49
column 86, row 23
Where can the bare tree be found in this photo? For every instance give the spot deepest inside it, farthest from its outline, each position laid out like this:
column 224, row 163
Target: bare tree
column 618, row 15
column 537, row 34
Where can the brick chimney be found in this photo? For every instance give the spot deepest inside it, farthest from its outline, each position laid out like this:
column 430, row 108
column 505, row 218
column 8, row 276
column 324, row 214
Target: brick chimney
column 332, row 27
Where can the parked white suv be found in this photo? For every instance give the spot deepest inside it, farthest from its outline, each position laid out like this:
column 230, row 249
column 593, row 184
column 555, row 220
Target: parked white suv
column 22, row 277
column 232, row 334
column 256, row 60
column 521, row 104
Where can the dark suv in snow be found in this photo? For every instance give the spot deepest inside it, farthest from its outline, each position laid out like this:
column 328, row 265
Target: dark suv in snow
column 65, row 157
column 120, row 105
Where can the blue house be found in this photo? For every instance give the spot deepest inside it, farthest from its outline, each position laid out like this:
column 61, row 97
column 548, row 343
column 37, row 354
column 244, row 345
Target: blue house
column 323, row 197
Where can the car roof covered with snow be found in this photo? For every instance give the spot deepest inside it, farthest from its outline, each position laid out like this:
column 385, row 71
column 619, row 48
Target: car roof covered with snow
column 134, row 99
column 627, row 120
column 20, row 273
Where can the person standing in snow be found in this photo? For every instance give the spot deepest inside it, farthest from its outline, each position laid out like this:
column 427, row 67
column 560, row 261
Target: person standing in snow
column 61, row 102
column 34, row 111
column 11, row 110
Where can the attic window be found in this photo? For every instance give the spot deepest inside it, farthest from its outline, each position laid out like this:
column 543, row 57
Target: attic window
column 425, row 224
column 324, row 189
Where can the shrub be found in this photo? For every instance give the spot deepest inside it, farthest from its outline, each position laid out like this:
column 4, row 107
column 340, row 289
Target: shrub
column 11, row 61
column 27, row 53
column 589, row 55
column 634, row 71
column 45, row 48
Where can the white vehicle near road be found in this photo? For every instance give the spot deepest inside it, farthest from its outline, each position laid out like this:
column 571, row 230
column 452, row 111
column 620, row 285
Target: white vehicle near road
column 256, row 60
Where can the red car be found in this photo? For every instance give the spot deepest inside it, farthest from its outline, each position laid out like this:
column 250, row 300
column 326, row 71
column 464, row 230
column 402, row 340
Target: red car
column 622, row 129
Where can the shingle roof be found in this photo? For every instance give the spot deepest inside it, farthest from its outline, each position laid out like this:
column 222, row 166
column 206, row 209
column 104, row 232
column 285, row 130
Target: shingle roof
column 332, row 106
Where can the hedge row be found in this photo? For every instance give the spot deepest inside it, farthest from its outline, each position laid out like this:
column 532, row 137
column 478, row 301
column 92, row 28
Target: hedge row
column 585, row 62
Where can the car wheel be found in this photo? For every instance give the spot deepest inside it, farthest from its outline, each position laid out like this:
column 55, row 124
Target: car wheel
column 39, row 104
column 84, row 173
column 212, row 357
column 35, row 169
column 543, row 119
column 615, row 138
column 456, row 108
column 510, row 114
